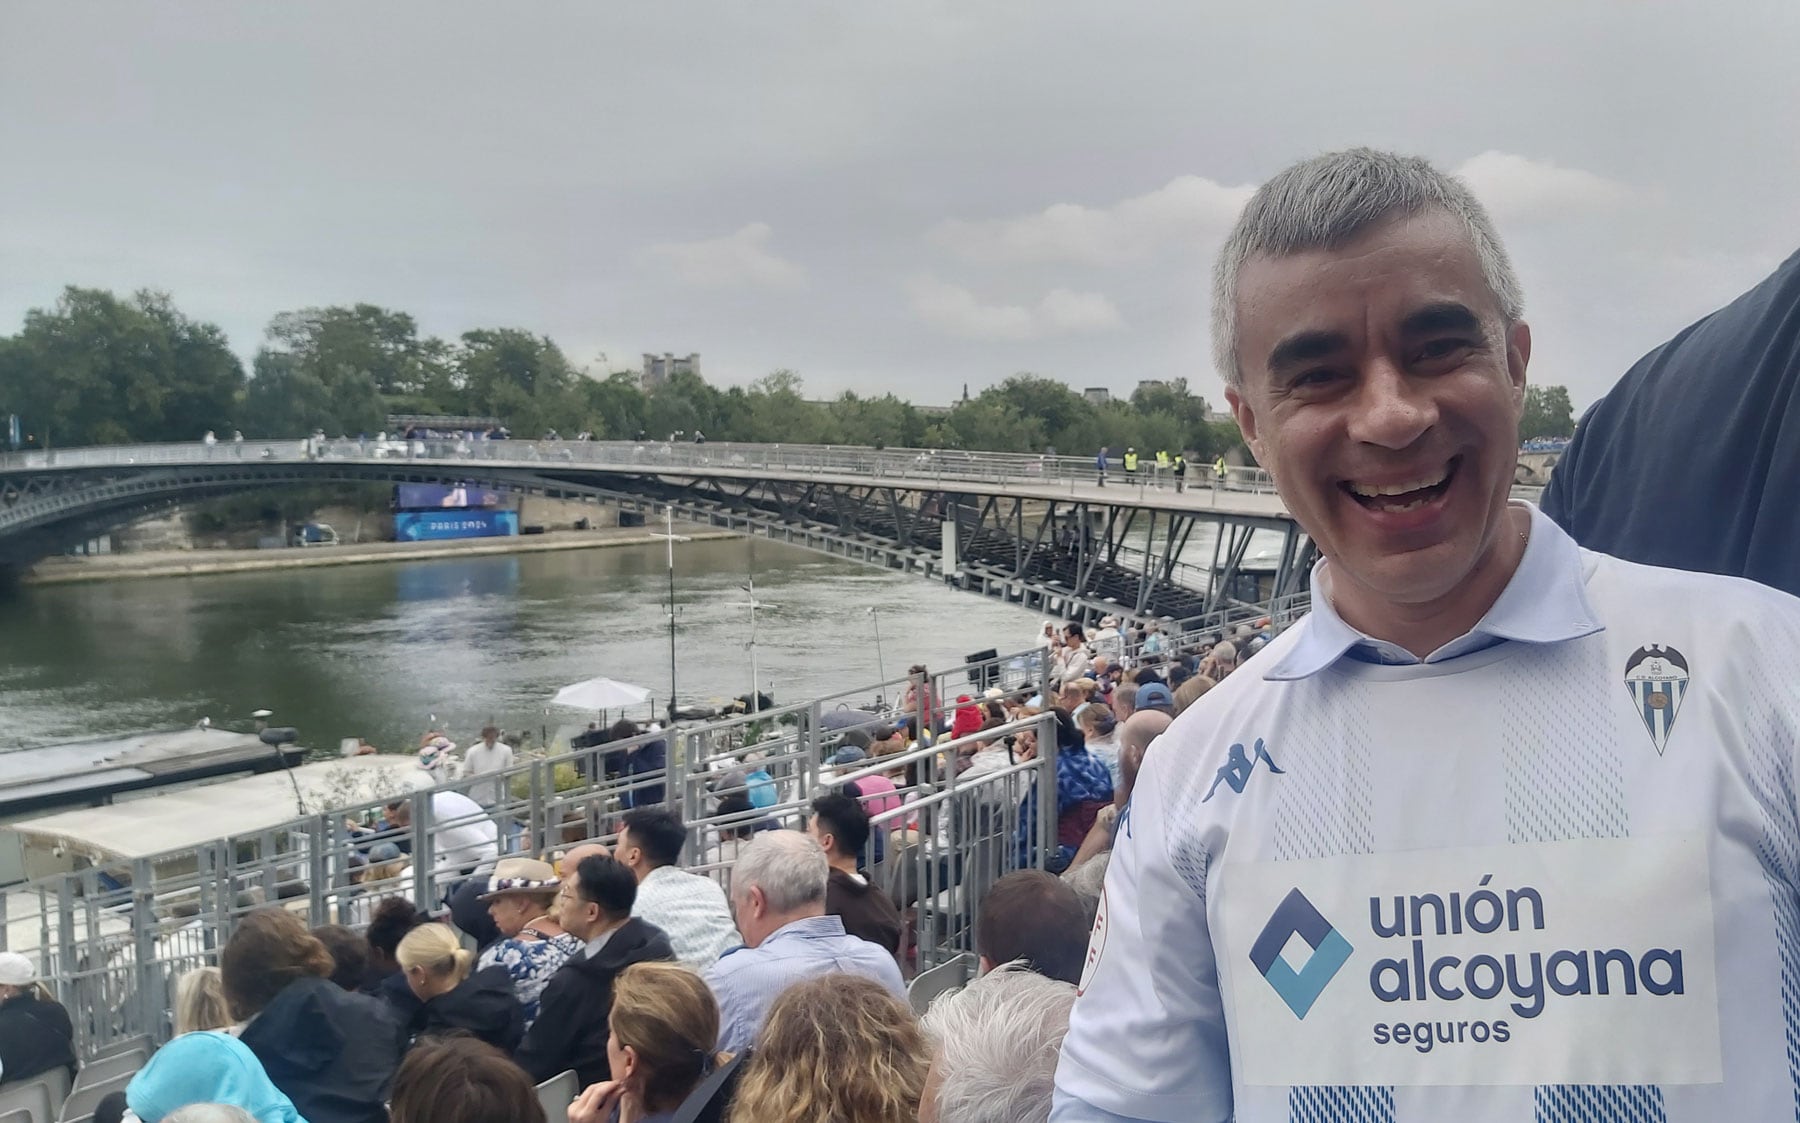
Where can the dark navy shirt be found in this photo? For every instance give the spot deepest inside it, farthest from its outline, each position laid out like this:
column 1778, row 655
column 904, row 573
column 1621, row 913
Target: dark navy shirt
column 1693, row 460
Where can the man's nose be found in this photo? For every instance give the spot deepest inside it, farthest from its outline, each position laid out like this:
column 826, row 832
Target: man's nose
column 1391, row 408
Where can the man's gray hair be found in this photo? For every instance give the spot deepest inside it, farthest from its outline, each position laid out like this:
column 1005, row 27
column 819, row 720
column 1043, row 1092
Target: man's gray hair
column 209, row 1113
column 787, row 866
column 997, row 1042
column 1324, row 203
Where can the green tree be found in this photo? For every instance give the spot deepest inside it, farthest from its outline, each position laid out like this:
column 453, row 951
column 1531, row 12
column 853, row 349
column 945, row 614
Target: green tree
column 1548, row 413
column 96, row 369
column 522, row 379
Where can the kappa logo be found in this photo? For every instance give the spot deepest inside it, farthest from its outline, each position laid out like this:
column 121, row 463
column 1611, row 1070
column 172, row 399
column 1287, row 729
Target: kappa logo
column 1296, row 916
column 1657, row 678
column 1238, row 766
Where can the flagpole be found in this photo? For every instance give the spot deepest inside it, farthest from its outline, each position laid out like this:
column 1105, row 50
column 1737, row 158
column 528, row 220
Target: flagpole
column 669, row 512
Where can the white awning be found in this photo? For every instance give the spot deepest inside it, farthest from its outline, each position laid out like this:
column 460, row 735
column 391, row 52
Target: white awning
column 187, row 816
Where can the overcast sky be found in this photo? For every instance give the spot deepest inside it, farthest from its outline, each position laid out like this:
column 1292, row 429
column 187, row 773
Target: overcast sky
column 899, row 196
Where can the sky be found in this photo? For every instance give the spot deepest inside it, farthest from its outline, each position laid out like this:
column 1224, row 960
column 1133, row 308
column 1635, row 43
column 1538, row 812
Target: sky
column 907, row 197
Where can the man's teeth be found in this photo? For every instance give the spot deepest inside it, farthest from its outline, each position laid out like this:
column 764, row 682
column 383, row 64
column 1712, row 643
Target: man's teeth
column 1376, row 491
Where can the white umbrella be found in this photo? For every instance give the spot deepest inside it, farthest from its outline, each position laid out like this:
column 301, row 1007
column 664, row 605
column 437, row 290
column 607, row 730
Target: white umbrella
column 601, row 694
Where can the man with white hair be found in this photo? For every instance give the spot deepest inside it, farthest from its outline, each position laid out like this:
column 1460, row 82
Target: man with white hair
column 994, row 1045
column 778, row 899
column 1504, row 830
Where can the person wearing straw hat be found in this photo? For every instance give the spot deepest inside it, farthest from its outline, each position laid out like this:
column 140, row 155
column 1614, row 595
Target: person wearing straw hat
column 521, row 897
column 35, row 1033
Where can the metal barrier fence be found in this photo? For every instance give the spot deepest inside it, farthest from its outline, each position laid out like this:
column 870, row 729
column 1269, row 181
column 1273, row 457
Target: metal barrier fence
column 935, row 465
column 113, row 938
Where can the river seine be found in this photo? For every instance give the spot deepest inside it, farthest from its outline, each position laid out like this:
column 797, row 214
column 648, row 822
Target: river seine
column 375, row 651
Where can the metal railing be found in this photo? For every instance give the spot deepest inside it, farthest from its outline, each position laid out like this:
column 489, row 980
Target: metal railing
column 941, row 466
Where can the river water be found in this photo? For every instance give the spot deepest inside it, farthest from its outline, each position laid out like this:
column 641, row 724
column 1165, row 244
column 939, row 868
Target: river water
column 375, row 651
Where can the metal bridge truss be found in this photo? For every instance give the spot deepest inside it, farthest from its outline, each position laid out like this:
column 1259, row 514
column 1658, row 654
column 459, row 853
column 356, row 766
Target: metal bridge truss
column 1033, row 552
column 1075, row 559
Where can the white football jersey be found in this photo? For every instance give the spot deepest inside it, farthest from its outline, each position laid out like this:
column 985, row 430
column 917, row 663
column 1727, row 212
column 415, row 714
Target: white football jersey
column 1550, row 878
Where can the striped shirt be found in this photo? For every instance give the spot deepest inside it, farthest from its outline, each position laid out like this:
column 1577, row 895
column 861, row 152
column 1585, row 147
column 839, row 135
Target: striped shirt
column 692, row 910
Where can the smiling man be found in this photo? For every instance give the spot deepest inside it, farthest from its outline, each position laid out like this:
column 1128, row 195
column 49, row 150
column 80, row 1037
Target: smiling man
column 1505, row 830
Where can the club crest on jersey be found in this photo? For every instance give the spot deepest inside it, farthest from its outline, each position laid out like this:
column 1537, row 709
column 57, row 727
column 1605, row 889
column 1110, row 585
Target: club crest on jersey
column 1657, row 678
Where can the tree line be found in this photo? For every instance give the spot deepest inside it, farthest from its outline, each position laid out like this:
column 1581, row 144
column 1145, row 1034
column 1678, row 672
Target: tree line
column 98, row 368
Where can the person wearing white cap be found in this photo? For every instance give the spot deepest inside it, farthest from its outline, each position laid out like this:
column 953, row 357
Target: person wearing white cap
column 35, row 1033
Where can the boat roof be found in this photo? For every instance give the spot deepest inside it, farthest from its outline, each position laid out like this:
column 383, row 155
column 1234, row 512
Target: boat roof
column 186, row 817
column 148, row 753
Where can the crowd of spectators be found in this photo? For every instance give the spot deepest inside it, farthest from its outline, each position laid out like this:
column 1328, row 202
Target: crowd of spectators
column 780, row 994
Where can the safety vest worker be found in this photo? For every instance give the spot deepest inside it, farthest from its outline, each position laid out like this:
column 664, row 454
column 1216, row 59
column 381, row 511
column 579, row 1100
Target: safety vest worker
column 1162, row 459
column 1131, row 459
column 1219, row 467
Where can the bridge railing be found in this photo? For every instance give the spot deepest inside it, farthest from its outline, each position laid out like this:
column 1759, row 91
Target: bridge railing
column 942, row 465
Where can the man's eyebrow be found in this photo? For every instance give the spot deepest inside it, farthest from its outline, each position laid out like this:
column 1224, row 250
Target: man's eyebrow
column 1306, row 346
column 1444, row 316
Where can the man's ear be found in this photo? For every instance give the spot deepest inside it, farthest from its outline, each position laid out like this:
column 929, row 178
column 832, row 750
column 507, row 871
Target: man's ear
column 1245, row 416
column 1518, row 357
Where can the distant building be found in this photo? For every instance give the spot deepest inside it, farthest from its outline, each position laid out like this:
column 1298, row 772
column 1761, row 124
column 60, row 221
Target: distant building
column 1152, row 384
column 658, row 369
column 1097, row 395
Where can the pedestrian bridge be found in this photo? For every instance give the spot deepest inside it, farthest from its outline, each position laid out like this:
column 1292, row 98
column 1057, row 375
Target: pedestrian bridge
column 1039, row 530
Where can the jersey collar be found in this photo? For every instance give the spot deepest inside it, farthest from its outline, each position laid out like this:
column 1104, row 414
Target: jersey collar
column 1545, row 602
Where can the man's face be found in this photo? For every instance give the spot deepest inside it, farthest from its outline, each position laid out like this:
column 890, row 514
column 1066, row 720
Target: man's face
column 575, row 913
column 1378, row 368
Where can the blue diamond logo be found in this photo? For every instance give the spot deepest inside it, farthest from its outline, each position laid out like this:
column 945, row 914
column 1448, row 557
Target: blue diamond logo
column 1296, row 916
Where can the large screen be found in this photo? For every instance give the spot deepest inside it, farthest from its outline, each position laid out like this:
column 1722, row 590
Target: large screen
column 425, row 526
column 416, row 497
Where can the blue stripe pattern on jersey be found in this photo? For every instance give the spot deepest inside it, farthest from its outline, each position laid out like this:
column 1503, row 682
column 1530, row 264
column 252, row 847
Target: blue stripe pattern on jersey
column 1771, row 774
column 1565, row 778
column 1599, row 1103
column 1340, row 1104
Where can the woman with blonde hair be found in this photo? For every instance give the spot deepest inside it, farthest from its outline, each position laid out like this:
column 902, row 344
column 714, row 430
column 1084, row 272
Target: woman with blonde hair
column 838, row 1048
column 1190, row 691
column 453, row 996
column 200, row 1001
column 664, row 1023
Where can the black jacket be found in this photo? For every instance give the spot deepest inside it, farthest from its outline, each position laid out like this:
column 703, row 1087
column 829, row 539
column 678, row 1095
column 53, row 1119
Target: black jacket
column 866, row 909
column 332, row 1052
column 483, row 1004
column 35, row 1037
column 571, row 1026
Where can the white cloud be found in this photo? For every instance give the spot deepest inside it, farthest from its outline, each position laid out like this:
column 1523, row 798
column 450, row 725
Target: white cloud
column 1520, row 189
column 1179, row 215
column 741, row 259
column 955, row 310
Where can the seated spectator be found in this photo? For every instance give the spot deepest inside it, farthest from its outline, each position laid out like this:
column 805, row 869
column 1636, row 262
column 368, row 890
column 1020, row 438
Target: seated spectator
column 332, row 1053
column 1083, row 787
column 207, row 1067
column 1100, row 732
column 594, row 906
column 521, row 897
column 1031, row 917
column 349, row 955
column 1220, row 661
column 454, row 996
column 200, row 1001
column 1124, row 700
column 995, row 1045
column 393, row 919
column 841, row 828
column 724, row 850
column 839, row 1048
column 35, row 1033
column 968, row 717
column 778, row 897
column 664, row 1024
column 1087, row 873
column 464, row 836
column 690, row 909
column 462, row 1080
column 1155, row 696
column 1191, row 691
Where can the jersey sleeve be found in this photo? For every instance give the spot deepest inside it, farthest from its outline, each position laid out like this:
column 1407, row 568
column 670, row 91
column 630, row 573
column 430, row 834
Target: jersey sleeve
column 1147, row 1037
